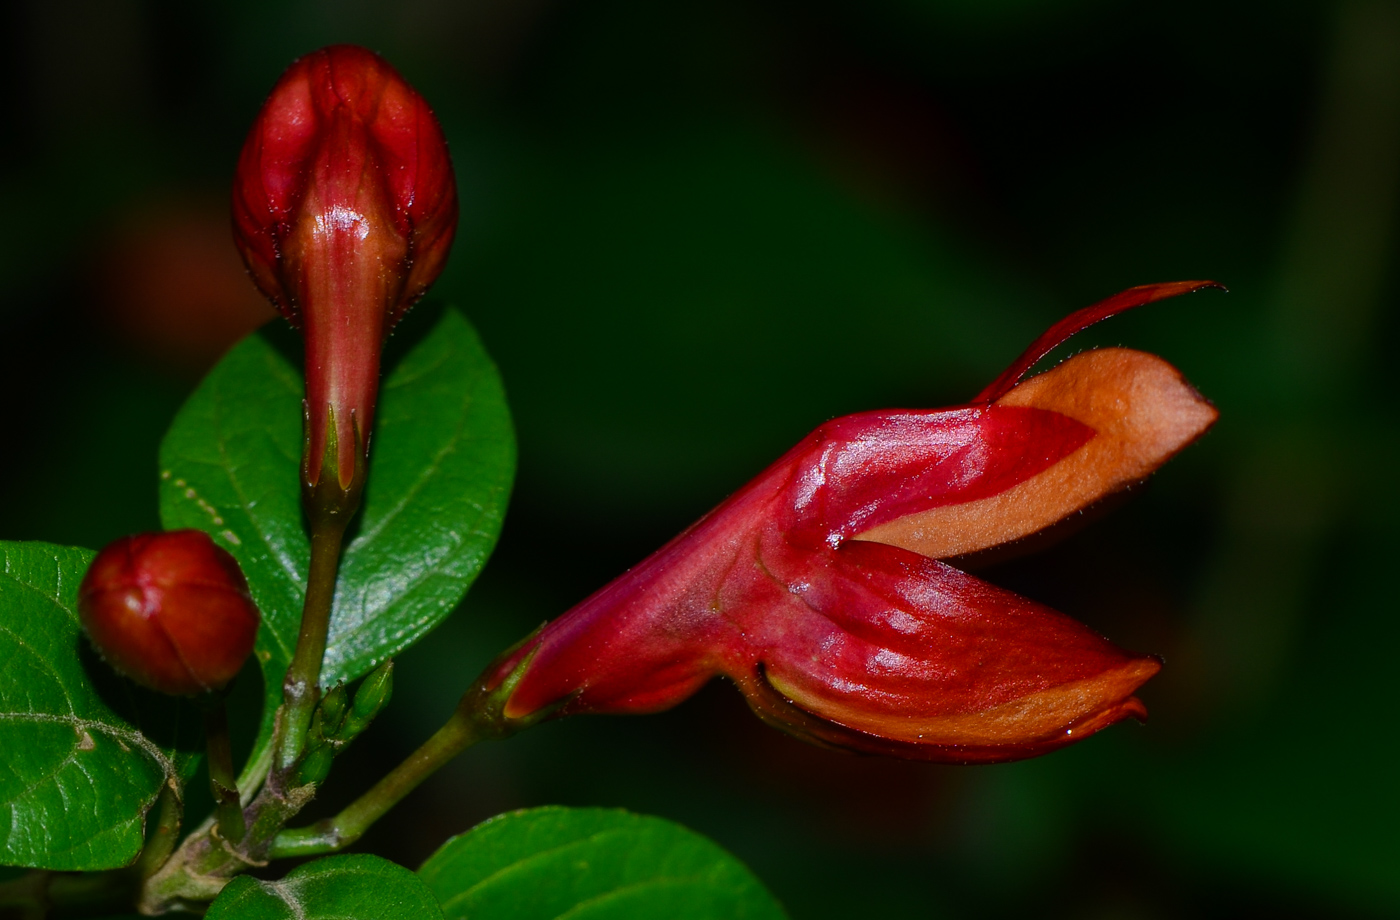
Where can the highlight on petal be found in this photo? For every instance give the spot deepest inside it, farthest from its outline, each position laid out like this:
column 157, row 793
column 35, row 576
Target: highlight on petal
column 642, row 644
column 861, row 471
column 1142, row 412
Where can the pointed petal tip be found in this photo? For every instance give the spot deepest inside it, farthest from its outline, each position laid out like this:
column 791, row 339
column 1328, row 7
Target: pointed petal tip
column 1165, row 289
column 1131, row 677
column 1038, row 724
column 1080, row 320
column 1133, row 708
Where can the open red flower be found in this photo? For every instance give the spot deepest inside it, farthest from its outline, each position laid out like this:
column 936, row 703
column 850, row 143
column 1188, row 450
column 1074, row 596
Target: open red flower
column 344, row 208
column 818, row 587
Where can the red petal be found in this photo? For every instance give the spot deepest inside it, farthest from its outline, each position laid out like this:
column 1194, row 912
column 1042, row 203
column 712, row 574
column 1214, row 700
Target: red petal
column 869, row 646
column 875, row 645
column 1142, row 411
column 876, row 641
column 641, row 644
column 864, row 470
column 344, row 207
column 1082, row 319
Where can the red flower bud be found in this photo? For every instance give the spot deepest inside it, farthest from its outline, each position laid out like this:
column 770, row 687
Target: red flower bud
column 344, row 207
column 817, row 588
column 171, row 611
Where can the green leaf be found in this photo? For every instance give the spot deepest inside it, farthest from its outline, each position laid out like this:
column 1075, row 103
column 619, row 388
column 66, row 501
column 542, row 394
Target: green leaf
column 593, row 863
column 359, row 887
column 440, row 475
column 85, row 753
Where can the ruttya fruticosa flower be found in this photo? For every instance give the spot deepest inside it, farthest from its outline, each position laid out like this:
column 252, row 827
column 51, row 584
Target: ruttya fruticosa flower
column 170, row 610
column 820, row 587
column 344, row 208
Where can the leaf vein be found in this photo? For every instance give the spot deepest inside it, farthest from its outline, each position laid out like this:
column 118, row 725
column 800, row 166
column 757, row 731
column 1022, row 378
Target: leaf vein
column 535, row 857
column 135, row 737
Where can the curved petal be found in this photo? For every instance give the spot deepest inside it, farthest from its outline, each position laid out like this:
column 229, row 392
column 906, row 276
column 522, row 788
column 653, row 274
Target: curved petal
column 886, row 650
column 868, row 469
column 1142, row 412
column 869, row 647
column 1080, row 320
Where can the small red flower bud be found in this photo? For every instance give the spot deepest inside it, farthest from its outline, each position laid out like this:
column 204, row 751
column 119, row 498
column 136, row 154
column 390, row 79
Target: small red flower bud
column 171, row 611
column 344, row 207
column 820, row 587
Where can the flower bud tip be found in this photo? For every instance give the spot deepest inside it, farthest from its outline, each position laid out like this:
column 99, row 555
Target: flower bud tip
column 344, row 209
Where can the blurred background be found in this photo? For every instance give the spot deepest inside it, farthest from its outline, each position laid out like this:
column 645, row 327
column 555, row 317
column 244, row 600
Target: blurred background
column 692, row 231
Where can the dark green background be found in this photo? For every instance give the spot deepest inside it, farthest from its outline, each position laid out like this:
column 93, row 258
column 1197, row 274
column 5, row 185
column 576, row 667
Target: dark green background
column 692, row 231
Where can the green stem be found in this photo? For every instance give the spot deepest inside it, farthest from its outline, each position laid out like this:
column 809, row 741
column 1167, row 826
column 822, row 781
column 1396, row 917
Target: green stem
column 169, row 813
column 228, row 809
column 329, row 505
column 203, row 864
column 479, row 716
column 254, row 772
column 301, row 687
column 462, row 731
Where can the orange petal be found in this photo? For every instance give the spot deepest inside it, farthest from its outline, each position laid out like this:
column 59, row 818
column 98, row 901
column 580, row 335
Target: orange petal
column 1063, row 713
column 1142, row 411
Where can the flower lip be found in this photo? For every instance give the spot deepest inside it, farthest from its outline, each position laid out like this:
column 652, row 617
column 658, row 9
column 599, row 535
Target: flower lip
column 1141, row 412
column 975, row 746
column 905, row 654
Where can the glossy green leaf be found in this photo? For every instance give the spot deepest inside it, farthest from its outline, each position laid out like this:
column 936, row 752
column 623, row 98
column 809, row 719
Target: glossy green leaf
column 594, row 863
column 77, row 771
column 359, row 887
column 440, row 475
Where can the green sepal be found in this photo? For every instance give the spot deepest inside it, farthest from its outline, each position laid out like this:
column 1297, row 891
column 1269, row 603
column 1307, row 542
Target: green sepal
column 339, row 720
column 329, row 717
column 371, row 696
